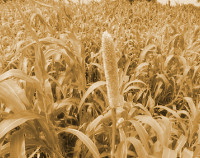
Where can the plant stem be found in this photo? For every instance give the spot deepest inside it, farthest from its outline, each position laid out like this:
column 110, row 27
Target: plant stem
column 113, row 112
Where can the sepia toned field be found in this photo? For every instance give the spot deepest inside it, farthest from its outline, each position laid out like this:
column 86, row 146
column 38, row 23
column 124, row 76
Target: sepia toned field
column 103, row 80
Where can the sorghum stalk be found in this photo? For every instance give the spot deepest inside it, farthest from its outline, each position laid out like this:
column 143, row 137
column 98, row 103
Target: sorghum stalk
column 112, row 80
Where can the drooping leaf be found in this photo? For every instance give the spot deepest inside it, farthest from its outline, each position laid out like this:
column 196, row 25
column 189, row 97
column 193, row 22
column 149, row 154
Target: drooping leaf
column 154, row 124
column 13, row 95
column 143, row 67
column 167, row 61
column 15, row 120
column 121, row 151
column 85, row 139
column 143, row 135
column 137, row 84
column 191, row 106
column 93, row 125
column 90, row 90
column 139, row 148
column 148, row 48
column 20, row 75
column 173, row 112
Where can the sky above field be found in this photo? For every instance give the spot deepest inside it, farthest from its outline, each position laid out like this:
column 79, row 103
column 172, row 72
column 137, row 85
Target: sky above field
column 173, row 2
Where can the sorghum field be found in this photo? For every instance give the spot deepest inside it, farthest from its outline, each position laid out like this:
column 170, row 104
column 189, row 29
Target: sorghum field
column 101, row 80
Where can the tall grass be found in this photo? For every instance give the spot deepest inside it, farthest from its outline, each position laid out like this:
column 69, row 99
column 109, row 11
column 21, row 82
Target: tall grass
column 112, row 80
column 100, row 80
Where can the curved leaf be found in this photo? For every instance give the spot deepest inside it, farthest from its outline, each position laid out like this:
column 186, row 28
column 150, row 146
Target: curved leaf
column 13, row 96
column 86, row 140
column 90, row 90
column 141, row 152
column 144, row 137
column 21, row 75
column 15, row 120
column 192, row 107
column 154, row 124
column 148, row 48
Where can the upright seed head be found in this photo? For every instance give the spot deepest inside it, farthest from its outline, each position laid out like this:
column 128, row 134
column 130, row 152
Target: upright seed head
column 110, row 69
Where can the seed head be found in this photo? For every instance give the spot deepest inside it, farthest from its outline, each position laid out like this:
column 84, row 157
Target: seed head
column 110, row 69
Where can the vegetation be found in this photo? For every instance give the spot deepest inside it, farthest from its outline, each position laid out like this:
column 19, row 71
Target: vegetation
column 56, row 101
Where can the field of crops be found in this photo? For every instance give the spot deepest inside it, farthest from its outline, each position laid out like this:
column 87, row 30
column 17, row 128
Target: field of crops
column 101, row 80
